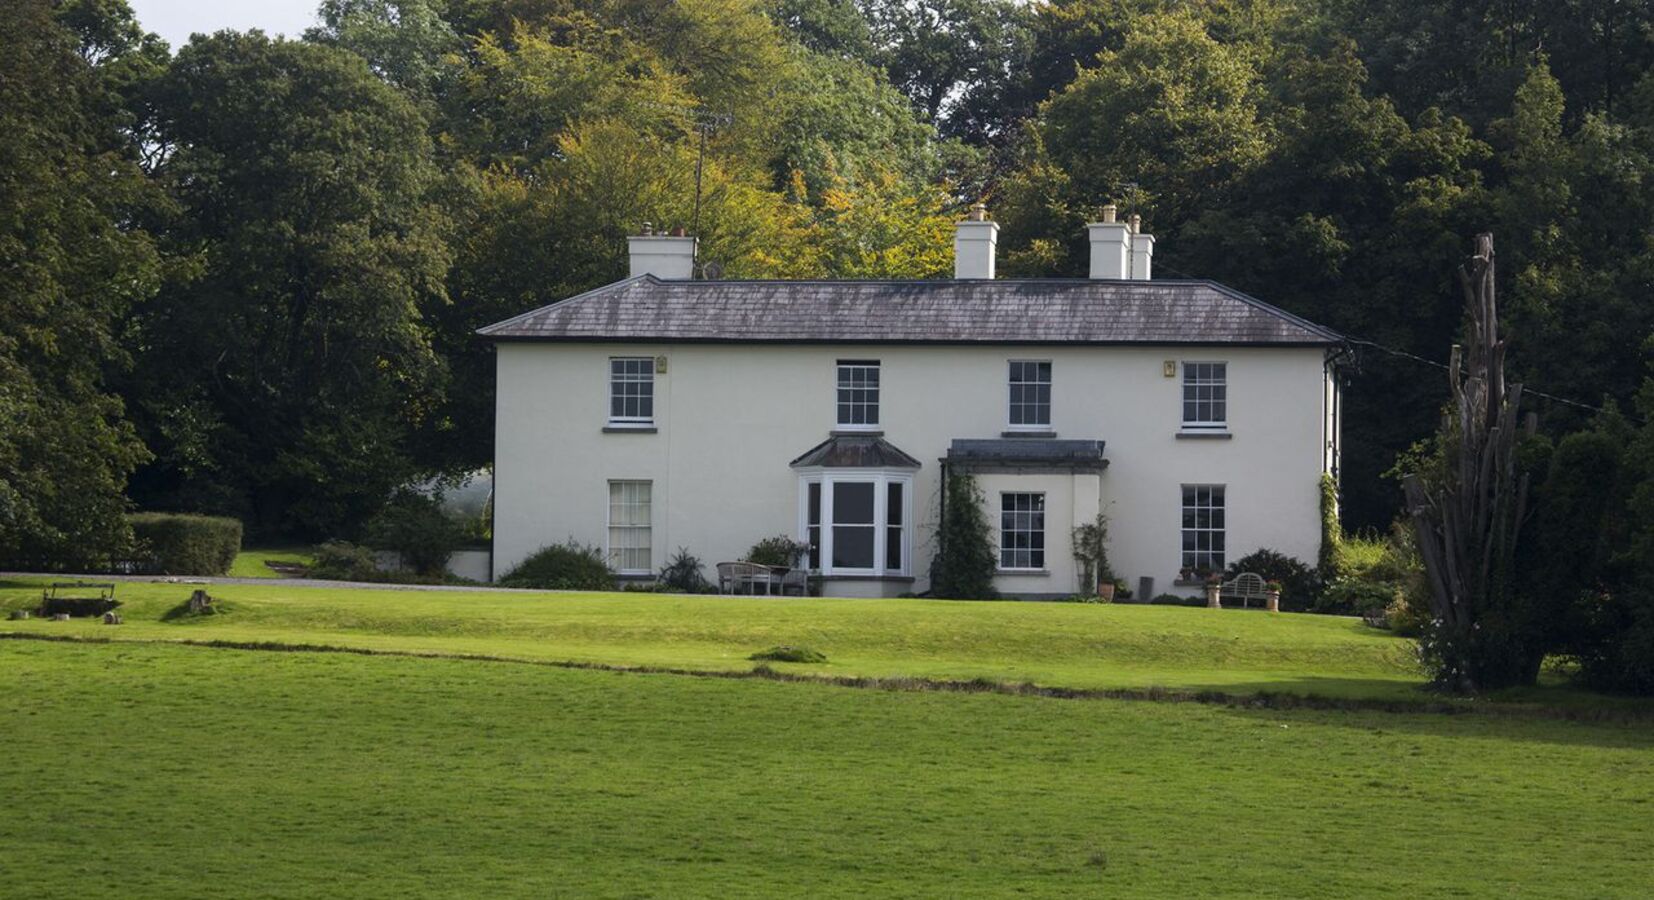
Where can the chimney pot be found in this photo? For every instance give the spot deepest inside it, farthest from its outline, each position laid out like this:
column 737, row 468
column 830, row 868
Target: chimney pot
column 975, row 241
column 1136, row 223
column 648, row 228
column 1109, row 212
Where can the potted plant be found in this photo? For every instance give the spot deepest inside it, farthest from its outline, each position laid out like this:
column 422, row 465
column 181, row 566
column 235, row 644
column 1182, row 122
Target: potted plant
column 1105, row 591
column 1214, row 590
column 1272, row 594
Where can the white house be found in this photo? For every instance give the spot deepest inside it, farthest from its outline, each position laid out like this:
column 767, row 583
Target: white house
column 665, row 411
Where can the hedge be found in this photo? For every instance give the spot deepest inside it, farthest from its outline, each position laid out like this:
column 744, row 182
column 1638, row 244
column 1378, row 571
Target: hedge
column 179, row 544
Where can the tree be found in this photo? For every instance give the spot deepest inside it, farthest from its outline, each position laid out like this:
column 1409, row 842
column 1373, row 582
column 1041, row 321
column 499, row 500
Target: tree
column 403, row 41
column 1173, row 111
column 1469, row 509
column 71, row 266
column 285, row 368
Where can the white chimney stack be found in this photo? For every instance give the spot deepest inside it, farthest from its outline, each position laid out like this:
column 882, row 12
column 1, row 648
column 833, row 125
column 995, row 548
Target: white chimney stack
column 668, row 256
column 974, row 243
column 1142, row 250
column 1110, row 246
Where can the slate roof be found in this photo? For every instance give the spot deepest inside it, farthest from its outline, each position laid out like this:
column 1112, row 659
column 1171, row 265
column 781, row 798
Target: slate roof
column 855, row 451
column 1026, row 452
column 1031, row 311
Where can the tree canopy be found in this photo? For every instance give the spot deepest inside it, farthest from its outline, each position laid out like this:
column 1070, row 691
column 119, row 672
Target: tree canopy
column 244, row 277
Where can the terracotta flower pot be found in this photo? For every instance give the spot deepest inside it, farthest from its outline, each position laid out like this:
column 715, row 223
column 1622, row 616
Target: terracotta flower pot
column 1105, row 591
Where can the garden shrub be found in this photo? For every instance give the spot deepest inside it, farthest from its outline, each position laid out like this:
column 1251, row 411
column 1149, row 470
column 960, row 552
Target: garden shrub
column 562, row 567
column 344, row 561
column 1175, row 600
column 1090, row 543
column 1300, row 584
column 1356, row 597
column 181, row 544
column 966, row 557
column 682, row 573
column 1332, row 531
column 417, row 528
column 780, row 551
column 785, row 653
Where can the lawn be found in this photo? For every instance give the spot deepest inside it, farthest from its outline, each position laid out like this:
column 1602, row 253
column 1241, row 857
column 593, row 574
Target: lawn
column 1053, row 644
column 250, row 563
column 146, row 770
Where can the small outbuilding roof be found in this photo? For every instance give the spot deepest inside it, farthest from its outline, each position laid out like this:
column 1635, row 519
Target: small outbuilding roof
column 1027, row 453
column 855, row 451
column 956, row 311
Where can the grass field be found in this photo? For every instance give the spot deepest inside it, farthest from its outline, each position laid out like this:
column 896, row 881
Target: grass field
column 163, row 771
column 250, row 563
column 145, row 767
column 1068, row 645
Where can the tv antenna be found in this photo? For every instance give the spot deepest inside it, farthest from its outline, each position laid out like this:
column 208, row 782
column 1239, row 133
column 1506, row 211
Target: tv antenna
column 704, row 121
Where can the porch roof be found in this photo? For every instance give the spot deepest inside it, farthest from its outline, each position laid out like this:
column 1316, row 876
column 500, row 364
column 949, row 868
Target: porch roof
column 1027, row 453
column 855, row 451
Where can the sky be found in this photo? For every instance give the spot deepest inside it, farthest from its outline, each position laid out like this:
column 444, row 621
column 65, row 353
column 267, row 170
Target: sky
column 175, row 20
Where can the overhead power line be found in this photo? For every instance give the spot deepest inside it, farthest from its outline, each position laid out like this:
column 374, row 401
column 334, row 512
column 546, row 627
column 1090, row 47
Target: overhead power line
column 1443, row 366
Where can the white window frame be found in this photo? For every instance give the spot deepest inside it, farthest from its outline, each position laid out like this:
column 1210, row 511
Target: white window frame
column 1220, row 424
column 1184, row 557
column 1044, row 531
column 609, row 550
column 881, row 480
column 617, row 378
column 1010, row 404
column 839, row 385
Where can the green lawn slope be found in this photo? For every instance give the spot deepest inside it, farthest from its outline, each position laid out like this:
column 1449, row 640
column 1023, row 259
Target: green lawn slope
column 1053, row 644
column 147, row 770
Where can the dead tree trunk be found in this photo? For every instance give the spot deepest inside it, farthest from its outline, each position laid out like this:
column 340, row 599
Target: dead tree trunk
column 1468, row 512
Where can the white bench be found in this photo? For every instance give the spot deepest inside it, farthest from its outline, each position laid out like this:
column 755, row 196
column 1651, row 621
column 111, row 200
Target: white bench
column 1248, row 587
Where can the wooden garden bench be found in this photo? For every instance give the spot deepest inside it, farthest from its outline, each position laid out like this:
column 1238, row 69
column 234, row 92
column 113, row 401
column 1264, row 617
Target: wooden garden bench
column 1247, row 586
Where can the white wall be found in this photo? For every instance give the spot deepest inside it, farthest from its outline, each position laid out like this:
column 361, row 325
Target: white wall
column 731, row 417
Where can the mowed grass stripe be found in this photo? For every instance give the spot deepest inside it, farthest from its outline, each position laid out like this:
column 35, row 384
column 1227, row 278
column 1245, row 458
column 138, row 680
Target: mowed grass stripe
column 150, row 771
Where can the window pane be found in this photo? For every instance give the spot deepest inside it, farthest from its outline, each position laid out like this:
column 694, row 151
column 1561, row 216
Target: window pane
column 853, row 504
column 893, row 549
column 1205, row 389
column 632, row 388
column 893, row 504
column 630, row 536
column 1022, row 531
column 858, row 392
column 1030, row 393
column 1203, row 537
column 813, row 515
column 852, row 546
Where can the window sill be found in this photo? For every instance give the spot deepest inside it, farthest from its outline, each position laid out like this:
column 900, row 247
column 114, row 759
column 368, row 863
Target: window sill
column 1195, row 583
column 1028, row 433
column 901, row 578
column 1036, row 573
column 853, row 431
column 1197, row 434
column 629, row 429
